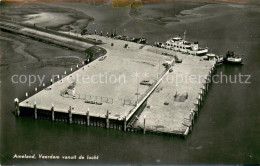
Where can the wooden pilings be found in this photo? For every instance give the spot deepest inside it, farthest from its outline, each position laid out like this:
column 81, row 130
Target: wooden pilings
column 124, row 125
column 107, row 120
column 191, row 118
column 88, row 119
column 144, row 126
column 202, row 94
column 17, row 108
column 52, row 113
column 35, row 110
column 185, row 134
column 70, row 115
column 199, row 103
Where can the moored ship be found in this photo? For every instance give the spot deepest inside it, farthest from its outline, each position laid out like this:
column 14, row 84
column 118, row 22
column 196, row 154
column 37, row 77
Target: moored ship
column 181, row 45
column 231, row 58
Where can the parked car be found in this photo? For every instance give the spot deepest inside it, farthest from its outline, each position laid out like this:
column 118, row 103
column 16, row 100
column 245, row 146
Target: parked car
column 146, row 82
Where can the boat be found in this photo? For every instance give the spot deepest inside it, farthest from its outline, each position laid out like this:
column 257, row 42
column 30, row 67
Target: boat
column 181, row 45
column 231, row 58
column 198, row 50
column 220, row 59
column 211, row 57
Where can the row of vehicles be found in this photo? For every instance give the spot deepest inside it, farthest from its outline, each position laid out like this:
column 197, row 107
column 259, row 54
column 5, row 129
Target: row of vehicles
column 130, row 39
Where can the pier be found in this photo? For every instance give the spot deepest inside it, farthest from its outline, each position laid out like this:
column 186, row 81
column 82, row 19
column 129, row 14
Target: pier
column 160, row 107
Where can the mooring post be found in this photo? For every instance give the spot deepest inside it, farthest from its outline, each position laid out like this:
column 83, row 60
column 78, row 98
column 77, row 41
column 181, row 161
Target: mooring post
column 52, row 113
column 192, row 116
column 210, row 76
column 117, row 122
column 51, row 81
column 65, row 72
column 204, row 89
column 107, row 120
column 71, row 69
column 201, row 94
column 144, row 124
column 36, row 89
column 198, row 105
column 200, row 99
column 95, row 32
column 107, row 34
column 208, row 82
column 101, row 33
column 35, row 110
column 17, row 107
column 43, row 84
column 70, row 115
column 125, row 123
column 87, row 114
column 26, row 95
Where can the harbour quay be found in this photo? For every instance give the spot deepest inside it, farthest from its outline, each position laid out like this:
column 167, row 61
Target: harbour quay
column 139, row 99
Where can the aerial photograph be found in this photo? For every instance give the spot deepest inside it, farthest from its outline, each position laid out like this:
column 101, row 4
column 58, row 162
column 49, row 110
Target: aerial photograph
column 129, row 82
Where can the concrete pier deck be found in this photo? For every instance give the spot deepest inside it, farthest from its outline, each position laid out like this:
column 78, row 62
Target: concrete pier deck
column 162, row 111
column 188, row 77
column 126, row 67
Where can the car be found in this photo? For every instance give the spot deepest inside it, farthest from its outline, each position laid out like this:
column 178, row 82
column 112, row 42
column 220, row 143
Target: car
column 146, row 82
column 178, row 60
column 158, row 44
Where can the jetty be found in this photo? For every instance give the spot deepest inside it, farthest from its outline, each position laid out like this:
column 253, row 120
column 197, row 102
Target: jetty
column 135, row 92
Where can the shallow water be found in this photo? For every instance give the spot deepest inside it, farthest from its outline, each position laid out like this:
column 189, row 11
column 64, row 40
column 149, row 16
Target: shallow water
column 227, row 128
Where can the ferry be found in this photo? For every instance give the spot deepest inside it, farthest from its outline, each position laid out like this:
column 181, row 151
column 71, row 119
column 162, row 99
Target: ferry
column 181, row 45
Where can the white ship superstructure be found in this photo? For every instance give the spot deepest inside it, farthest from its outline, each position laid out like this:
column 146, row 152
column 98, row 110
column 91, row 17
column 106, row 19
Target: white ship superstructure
column 178, row 44
column 181, row 45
